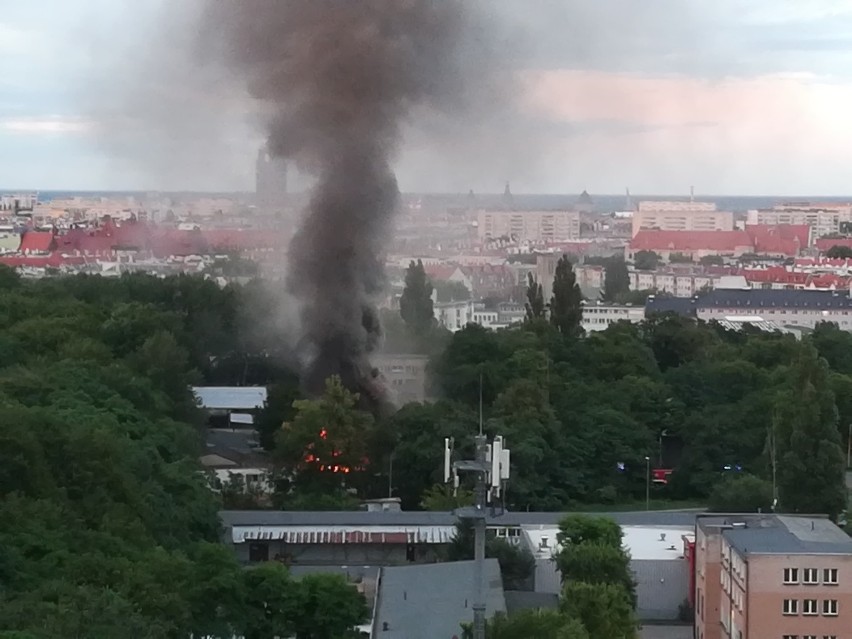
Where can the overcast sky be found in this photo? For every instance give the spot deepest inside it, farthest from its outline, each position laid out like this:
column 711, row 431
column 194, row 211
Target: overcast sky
column 733, row 96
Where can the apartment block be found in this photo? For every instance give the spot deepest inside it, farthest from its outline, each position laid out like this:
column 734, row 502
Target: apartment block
column 529, row 226
column 772, row 577
column 824, row 219
column 681, row 216
column 598, row 316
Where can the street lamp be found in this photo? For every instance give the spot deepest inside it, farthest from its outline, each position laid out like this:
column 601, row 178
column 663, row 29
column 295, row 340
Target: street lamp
column 647, row 483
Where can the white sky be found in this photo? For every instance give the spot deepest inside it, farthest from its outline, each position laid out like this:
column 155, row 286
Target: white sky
column 734, row 96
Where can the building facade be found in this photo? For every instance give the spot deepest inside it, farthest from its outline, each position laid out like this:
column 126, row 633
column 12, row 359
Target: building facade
column 823, row 219
column 528, row 226
column 768, row 576
column 599, row 317
column 681, row 216
column 405, row 376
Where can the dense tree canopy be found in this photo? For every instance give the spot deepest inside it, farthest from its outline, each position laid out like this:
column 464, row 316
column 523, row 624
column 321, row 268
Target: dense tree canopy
column 415, row 305
column 107, row 525
column 566, row 304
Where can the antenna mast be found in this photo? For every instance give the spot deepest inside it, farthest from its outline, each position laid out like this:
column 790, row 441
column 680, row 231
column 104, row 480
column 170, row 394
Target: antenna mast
column 491, row 468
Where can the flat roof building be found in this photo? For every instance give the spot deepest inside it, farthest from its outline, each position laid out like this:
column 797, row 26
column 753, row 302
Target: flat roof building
column 780, row 576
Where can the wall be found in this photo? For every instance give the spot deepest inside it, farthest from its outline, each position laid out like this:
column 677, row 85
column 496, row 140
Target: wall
column 707, row 585
column 766, row 593
column 342, row 554
column 661, row 585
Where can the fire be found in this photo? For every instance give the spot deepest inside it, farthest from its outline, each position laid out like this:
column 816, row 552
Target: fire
column 311, row 458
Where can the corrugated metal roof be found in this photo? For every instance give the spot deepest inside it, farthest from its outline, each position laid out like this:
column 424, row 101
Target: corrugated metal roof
column 230, row 397
column 345, row 534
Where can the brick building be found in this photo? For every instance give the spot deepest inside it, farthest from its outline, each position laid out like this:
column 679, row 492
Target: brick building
column 772, row 577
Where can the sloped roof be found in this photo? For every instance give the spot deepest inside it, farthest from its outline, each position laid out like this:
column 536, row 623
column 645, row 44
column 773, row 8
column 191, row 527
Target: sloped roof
column 36, row 242
column 431, row 601
column 823, row 244
column 654, row 240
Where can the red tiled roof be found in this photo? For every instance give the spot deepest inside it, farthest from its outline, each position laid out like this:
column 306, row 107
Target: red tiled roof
column 653, row 240
column 823, row 244
column 775, row 275
column 439, row 272
column 36, row 242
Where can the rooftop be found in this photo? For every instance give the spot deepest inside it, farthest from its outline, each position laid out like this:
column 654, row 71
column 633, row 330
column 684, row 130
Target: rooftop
column 230, row 397
column 643, row 542
column 433, row 600
column 780, row 534
column 421, row 518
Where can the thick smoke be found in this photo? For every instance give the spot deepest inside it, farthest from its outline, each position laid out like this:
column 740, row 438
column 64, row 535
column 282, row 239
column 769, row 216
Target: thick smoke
column 339, row 80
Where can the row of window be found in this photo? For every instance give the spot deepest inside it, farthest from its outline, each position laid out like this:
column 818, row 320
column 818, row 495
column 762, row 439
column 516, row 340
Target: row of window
column 809, row 637
column 810, row 607
column 810, row 576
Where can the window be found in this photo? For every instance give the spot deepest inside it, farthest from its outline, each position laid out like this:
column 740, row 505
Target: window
column 791, row 637
column 829, row 576
column 829, row 607
column 791, row 607
column 810, row 576
column 810, row 607
column 828, row 637
column 791, row 575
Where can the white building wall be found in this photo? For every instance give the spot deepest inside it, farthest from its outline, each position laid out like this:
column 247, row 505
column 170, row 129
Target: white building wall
column 598, row 317
column 529, row 226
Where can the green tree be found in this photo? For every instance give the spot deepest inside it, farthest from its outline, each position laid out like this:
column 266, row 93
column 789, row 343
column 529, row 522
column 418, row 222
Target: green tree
column 415, row 305
column 533, row 624
column 838, row 251
column 270, row 606
column 597, row 563
column 324, row 449
column 742, row 494
column 517, row 565
column 810, row 461
column 441, row 497
column 712, row 260
column 327, row 607
column 579, row 529
column 603, row 609
column 277, row 410
column 451, row 291
column 566, row 309
column 535, row 307
column 646, row 260
column 616, row 279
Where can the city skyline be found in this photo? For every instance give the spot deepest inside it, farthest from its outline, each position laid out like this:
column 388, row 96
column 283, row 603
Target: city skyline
column 656, row 98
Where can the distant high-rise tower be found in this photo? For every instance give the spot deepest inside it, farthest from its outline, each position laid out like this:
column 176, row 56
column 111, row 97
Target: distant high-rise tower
column 271, row 185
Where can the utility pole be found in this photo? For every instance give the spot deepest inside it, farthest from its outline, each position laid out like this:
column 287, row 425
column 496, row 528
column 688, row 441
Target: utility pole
column 491, row 469
column 647, row 483
column 849, row 448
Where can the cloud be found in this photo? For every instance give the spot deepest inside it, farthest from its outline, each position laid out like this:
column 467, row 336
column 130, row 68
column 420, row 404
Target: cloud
column 49, row 125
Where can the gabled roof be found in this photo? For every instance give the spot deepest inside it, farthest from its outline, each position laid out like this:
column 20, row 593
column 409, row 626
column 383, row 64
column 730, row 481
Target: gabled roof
column 431, row 601
column 37, row 242
column 823, row 244
column 654, row 240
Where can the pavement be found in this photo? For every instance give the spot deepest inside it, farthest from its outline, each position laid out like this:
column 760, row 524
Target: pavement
column 666, row 632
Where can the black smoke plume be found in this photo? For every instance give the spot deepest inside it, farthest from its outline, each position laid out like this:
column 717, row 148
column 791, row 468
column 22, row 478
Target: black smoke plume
column 339, row 80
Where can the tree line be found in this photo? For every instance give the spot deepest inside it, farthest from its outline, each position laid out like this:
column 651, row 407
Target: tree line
column 108, row 527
